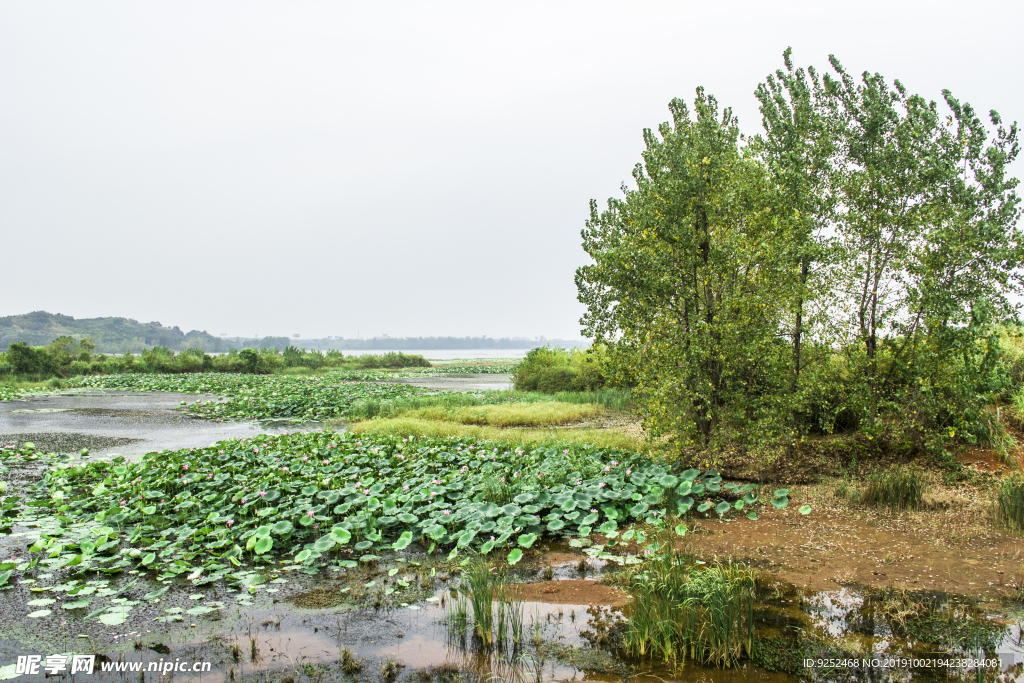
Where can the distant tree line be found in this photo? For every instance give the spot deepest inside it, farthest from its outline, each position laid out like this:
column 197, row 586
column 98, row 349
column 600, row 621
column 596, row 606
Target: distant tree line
column 66, row 357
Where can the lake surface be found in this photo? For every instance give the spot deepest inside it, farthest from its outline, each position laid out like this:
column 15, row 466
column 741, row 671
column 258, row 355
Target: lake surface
column 445, row 354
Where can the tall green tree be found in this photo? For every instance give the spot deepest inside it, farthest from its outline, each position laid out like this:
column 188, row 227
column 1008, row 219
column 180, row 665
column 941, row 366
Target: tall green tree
column 682, row 283
column 797, row 149
column 928, row 251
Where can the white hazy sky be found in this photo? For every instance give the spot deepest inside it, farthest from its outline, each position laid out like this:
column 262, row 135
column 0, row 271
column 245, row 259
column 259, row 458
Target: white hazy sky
column 421, row 168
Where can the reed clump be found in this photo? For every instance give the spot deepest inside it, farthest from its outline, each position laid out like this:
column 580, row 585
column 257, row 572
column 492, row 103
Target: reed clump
column 897, row 488
column 1009, row 503
column 684, row 610
column 497, row 607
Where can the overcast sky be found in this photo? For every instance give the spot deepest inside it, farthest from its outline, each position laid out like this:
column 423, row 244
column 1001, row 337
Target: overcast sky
column 422, row 168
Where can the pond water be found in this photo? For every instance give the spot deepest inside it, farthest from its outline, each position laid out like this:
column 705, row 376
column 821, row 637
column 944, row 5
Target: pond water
column 292, row 625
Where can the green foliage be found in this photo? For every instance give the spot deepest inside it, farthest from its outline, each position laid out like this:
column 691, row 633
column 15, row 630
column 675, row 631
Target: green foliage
column 65, row 357
column 552, row 370
column 682, row 610
column 265, row 397
column 897, row 488
column 851, row 269
column 303, row 496
column 1009, row 503
column 685, row 278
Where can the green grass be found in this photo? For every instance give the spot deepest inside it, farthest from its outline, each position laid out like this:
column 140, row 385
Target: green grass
column 618, row 400
column 1009, row 503
column 897, row 488
column 545, row 414
column 681, row 610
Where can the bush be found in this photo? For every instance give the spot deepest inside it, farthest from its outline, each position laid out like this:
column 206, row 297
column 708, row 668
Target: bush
column 551, row 370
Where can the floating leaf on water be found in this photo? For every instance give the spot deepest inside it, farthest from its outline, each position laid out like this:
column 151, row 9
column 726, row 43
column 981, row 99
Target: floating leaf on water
column 515, row 556
column 805, row 510
column 41, row 602
column 38, row 614
column 200, row 609
column 113, row 618
column 403, row 541
column 527, row 540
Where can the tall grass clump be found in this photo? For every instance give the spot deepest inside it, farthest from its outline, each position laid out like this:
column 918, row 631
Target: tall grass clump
column 497, row 607
column 897, row 488
column 1009, row 503
column 681, row 610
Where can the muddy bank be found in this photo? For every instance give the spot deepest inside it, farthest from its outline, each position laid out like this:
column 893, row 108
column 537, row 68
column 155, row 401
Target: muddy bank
column 939, row 550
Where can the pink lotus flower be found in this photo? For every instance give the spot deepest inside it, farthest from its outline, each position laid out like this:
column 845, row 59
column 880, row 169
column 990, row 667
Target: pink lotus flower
column 230, row 522
column 310, row 514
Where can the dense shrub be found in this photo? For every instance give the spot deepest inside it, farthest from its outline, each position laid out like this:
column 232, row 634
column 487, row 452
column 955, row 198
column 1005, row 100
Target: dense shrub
column 551, row 370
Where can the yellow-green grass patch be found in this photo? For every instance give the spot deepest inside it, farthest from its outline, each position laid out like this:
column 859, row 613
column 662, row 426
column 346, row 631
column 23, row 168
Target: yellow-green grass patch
column 549, row 413
column 406, row 425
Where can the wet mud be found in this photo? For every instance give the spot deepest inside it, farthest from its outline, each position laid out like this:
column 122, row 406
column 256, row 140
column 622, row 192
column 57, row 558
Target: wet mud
column 825, row 594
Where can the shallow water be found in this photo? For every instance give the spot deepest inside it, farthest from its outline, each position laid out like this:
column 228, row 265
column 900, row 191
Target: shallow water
column 275, row 638
column 109, row 422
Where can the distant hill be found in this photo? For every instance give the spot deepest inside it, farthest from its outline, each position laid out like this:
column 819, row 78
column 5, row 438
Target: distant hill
column 120, row 335
column 112, row 335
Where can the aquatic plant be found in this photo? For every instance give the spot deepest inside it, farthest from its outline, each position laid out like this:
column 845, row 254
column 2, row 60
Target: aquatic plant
column 1009, row 503
column 681, row 608
column 334, row 498
column 897, row 488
